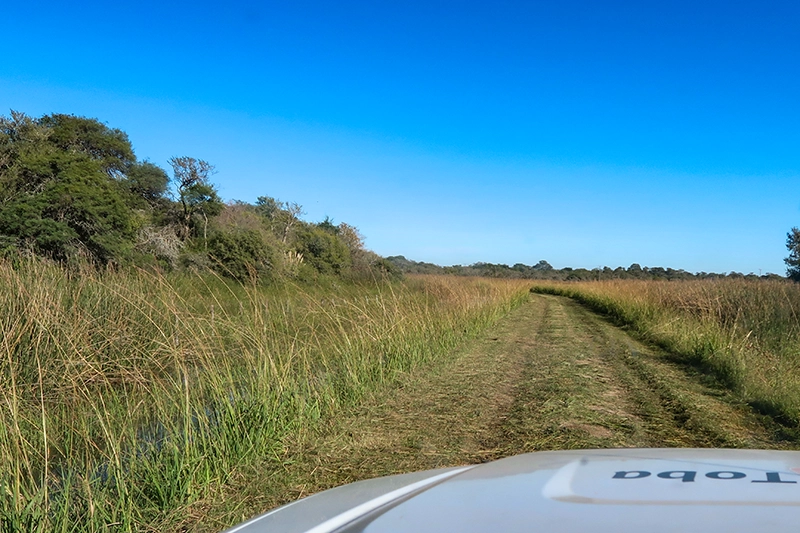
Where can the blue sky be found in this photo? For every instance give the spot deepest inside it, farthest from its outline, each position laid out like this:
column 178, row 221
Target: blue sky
column 584, row 133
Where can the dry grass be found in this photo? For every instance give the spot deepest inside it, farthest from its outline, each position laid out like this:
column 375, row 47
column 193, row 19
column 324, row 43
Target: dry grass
column 127, row 396
column 745, row 332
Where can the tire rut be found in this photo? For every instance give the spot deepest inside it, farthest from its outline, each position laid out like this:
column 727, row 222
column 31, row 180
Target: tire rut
column 665, row 404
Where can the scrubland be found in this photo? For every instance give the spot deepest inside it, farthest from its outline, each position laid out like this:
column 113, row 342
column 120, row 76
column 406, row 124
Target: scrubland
column 125, row 396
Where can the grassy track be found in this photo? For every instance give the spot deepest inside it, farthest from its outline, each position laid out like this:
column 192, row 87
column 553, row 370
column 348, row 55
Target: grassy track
column 593, row 385
column 551, row 375
column 745, row 333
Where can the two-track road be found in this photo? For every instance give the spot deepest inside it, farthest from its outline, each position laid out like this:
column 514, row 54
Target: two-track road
column 550, row 375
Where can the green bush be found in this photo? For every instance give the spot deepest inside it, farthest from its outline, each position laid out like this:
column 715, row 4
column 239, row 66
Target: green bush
column 323, row 249
column 241, row 254
column 386, row 267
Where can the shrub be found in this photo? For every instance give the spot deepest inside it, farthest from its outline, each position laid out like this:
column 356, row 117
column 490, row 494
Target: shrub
column 241, row 254
column 323, row 250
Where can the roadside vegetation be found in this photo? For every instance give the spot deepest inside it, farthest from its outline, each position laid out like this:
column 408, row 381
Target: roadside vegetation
column 745, row 333
column 73, row 191
column 127, row 396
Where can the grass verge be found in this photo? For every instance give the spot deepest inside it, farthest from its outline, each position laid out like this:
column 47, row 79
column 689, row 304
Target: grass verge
column 128, row 396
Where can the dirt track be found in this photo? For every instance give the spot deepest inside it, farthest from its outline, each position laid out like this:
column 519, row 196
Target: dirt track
column 551, row 375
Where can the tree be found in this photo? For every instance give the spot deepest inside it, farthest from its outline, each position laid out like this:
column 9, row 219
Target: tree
column 147, row 182
column 351, row 237
column 80, row 209
column 635, row 270
column 282, row 217
column 328, row 225
column 793, row 261
column 197, row 196
column 109, row 147
column 542, row 265
column 57, row 194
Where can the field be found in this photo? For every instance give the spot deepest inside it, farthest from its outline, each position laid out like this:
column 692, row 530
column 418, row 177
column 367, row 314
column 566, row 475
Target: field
column 138, row 401
column 129, row 397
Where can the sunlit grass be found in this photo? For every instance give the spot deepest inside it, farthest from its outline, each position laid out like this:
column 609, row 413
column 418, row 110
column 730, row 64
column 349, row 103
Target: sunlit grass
column 746, row 333
column 126, row 396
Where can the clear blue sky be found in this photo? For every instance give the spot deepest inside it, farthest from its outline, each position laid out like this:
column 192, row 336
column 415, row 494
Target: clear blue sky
column 586, row 133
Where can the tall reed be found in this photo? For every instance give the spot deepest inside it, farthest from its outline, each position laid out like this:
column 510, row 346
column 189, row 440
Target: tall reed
column 126, row 396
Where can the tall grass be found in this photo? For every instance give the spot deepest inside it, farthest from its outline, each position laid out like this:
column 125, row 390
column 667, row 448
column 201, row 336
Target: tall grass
column 126, row 396
column 746, row 333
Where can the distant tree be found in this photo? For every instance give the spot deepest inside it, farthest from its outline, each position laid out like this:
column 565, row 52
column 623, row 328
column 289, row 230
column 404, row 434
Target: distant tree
column 406, row 265
column 579, row 274
column 635, row 270
column 197, row 196
column 282, row 217
column 386, row 267
column 793, row 261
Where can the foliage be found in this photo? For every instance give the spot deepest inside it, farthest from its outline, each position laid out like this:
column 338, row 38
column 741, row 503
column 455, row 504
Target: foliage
column 544, row 271
column 323, row 249
column 71, row 189
column 281, row 217
column 160, row 242
column 197, row 196
column 58, row 198
column 241, row 254
column 109, row 147
column 132, row 398
column 147, row 182
column 793, row 261
column 386, row 267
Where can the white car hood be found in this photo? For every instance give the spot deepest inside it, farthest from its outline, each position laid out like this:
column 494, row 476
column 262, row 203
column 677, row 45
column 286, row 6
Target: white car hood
column 653, row 490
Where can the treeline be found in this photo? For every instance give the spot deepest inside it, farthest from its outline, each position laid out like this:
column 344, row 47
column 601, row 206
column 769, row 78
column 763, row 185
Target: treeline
column 72, row 190
column 544, row 271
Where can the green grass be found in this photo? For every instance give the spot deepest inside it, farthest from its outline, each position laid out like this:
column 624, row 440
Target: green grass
column 744, row 333
column 125, row 397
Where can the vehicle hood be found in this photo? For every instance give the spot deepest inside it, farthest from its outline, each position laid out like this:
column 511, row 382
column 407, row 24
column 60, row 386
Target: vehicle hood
column 653, row 490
